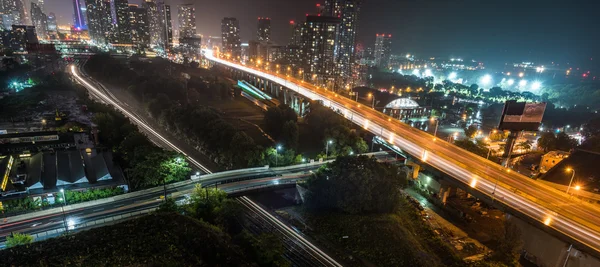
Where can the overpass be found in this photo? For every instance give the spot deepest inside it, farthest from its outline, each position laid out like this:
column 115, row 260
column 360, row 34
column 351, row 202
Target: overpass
column 537, row 203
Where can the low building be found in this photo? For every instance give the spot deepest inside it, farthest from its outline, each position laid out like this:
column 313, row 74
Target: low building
column 552, row 158
column 39, row 163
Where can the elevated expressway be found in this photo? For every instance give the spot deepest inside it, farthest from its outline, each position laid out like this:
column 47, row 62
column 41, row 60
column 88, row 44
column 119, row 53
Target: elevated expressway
column 546, row 207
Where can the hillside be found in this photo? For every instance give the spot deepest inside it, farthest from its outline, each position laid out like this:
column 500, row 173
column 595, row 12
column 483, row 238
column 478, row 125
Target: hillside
column 154, row 240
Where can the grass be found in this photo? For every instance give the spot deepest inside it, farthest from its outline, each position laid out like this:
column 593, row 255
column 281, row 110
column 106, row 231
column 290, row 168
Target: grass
column 396, row 239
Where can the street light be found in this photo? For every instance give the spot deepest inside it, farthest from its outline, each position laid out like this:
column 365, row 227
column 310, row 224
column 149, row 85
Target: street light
column 572, row 176
column 327, row 148
column 437, row 122
column 276, row 155
column 62, row 191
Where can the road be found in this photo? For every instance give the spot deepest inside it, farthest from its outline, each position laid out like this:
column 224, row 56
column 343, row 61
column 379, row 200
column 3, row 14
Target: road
column 234, row 181
column 578, row 221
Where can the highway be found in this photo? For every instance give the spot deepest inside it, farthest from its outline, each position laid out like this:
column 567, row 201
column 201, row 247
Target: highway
column 554, row 209
column 231, row 182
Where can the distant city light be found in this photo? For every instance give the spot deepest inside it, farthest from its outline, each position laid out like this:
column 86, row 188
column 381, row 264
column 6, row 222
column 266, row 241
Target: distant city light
column 522, row 83
column 539, row 69
column 486, row 79
column 407, row 55
column 536, row 85
column 521, row 74
column 511, row 81
column 428, row 73
column 416, row 72
column 452, row 75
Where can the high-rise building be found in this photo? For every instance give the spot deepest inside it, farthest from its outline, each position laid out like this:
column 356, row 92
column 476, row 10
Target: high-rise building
column 79, row 15
column 99, row 20
column 263, row 34
column 52, row 22
column 122, row 31
column 230, row 37
column 319, row 40
column 13, row 11
column 296, row 33
column 154, row 27
column 20, row 35
column 383, row 50
column 39, row 20
column 187, row 21
column 165, row 25
column 138, row 21
column 347, row 11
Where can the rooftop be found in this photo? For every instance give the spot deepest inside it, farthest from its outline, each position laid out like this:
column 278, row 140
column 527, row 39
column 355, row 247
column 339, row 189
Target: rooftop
column 585, row 164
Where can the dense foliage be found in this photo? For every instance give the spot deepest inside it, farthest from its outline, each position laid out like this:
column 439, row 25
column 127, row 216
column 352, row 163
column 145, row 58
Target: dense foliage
column 398, row 238
column 561, row 141
column 17, row 239
column 161, row 240
column 327, row 126
column 170, row 97
column 92, row 194
column 355, row 185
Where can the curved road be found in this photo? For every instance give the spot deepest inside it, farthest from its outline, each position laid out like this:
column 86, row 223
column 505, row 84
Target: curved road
column 579, row 221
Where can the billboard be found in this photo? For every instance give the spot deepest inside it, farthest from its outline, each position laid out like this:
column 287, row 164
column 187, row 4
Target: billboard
column 522, row 116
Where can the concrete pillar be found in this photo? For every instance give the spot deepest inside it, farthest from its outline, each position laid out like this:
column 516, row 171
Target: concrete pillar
column 285, row 96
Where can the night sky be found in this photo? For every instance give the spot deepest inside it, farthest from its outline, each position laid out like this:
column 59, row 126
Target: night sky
column 490, row 30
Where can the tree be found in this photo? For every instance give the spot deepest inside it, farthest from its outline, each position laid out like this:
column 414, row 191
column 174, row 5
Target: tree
column 509, row 244
column 169, row 205
column 547, row 141
column 471, row 131
column 564, row 142
column 592, row 144
column 275, row 117
column 525, row 145
column 17, row 239
column 591, row 128
column 355, row 185
column 205, row 203
column 289, row 134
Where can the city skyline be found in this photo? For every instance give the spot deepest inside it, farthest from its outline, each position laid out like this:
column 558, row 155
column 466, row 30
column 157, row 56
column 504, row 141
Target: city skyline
column 566, row 30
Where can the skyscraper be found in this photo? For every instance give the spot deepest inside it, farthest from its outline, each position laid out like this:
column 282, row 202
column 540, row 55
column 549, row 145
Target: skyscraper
column 347, row 11
column 187, row 21
column 79, row 15
column 230, row 37
column 320, row 35
column 263, row 34
column 296, row 33
column 138, row 21
column 99, row 20
column 52, row 22
column 165, row 25
column 154, row 27
column 383, row 43
column 122, row 29
column 39, row 20
column 13, row 10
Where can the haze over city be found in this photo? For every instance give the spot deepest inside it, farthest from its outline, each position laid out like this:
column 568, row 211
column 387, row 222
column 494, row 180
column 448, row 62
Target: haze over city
column 496, row 31
column 413, row 133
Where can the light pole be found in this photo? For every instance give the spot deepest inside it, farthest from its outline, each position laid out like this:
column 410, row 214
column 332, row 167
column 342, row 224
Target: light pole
column 373, row 103
column 327, row 149
column 437, row 122
column 488, row 155
column 62, row 191
column 572, row 176
column 276, row 155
